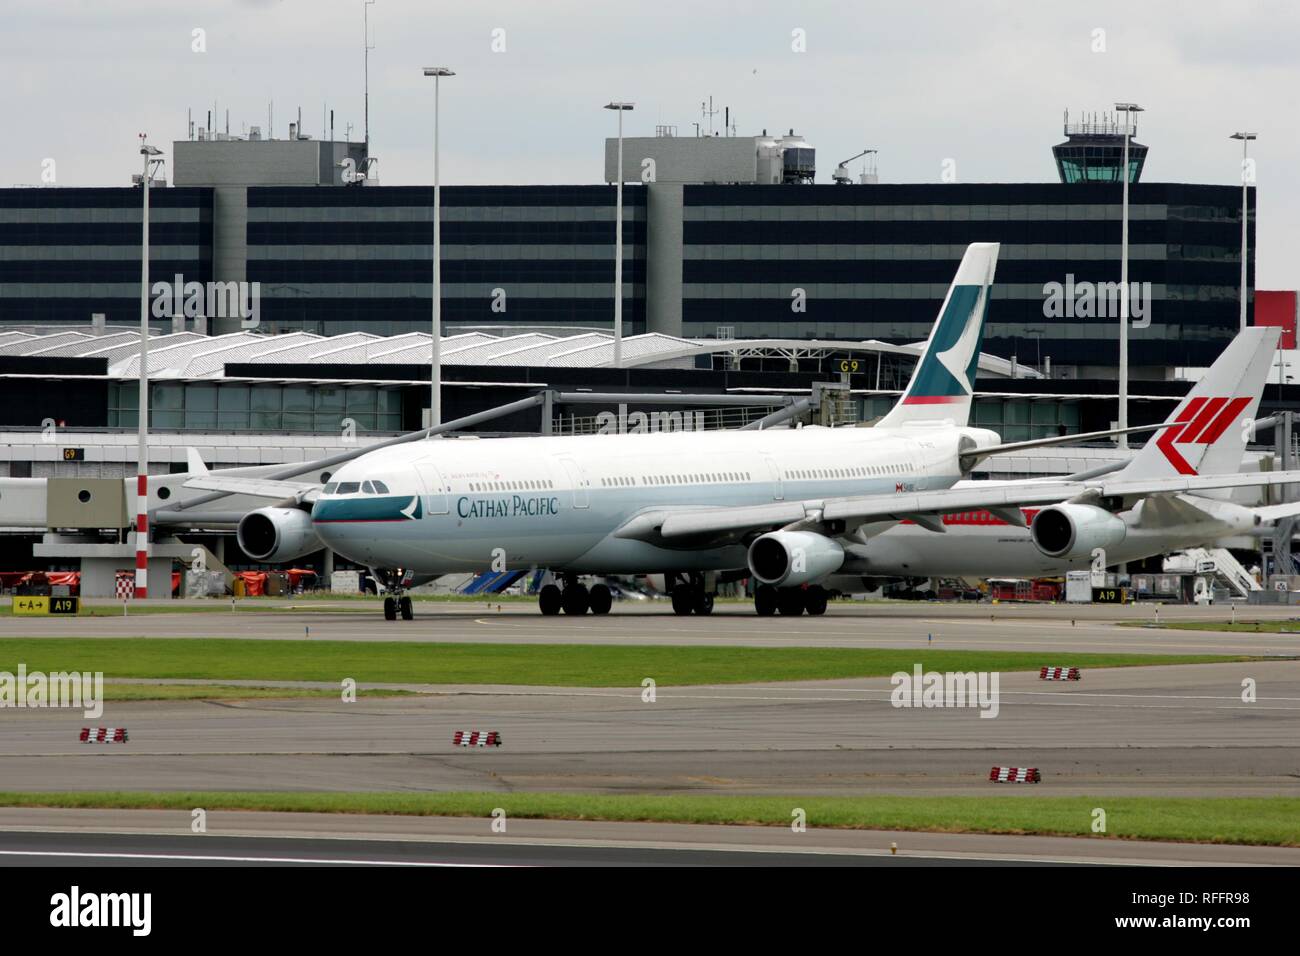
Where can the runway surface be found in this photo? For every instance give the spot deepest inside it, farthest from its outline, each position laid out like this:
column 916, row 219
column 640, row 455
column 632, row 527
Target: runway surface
column 1007, row 627
column 42, row 837
column 1166, row 731
column 1179, row 731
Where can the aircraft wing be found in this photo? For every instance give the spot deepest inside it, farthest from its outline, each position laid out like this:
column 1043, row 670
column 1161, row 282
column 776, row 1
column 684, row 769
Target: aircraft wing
column 688, row 522
column 878, row 507
column 1001, row 497
column 275, row 489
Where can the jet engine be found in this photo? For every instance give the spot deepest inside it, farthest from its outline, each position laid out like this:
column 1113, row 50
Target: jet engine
column 1074, row 531
column 275, row 535
column 792, row 558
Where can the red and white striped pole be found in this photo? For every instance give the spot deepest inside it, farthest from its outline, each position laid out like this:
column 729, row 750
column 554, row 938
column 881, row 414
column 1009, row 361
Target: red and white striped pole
column 142, row 471
column 142, row 537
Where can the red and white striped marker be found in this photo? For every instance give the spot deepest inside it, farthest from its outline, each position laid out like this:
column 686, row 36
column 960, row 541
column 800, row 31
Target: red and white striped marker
column 103, row 735
column 142, row 537
column 476, row 738
column 1015, row 775
column 1059, row 673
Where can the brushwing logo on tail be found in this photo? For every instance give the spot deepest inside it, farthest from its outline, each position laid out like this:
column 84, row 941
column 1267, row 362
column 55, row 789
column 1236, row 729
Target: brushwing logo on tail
column 1206, row 420
column 947, row 373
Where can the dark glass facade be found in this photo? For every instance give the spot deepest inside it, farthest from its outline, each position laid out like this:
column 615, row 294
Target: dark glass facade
column 66, row 254
column 337, row 259
column 871, row 261
column 875, row 262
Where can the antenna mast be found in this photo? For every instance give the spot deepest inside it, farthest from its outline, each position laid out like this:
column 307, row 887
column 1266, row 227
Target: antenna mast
column 709, row 112
column 368, row 47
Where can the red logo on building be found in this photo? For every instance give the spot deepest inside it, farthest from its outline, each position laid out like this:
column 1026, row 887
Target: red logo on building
column 1202, row 422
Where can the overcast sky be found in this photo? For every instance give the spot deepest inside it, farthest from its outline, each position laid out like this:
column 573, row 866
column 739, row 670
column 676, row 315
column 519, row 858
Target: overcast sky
column 982, row 83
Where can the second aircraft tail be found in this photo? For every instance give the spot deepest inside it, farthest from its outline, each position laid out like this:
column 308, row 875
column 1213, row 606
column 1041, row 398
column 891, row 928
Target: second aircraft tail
column 1212, row 425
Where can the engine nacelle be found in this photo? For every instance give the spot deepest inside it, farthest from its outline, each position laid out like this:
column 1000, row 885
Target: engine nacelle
column 275, row 535
column 1074, row 531
column 791, row 558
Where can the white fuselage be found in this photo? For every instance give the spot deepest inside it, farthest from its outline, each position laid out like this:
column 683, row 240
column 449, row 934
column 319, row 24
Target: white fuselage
column 980, row 545
column 466, row 504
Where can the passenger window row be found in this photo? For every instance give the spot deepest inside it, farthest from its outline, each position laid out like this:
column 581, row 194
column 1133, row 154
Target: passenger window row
column 696, row 479
column 527, row 484
column 862, row 471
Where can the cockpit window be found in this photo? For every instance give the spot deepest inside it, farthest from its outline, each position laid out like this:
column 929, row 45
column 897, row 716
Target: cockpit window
column 329, row 488
column 349, row 487
column 380, row 488
column 368, row 487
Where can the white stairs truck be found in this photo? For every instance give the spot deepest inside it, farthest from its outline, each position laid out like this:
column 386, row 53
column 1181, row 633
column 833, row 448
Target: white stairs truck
column 1218, row 565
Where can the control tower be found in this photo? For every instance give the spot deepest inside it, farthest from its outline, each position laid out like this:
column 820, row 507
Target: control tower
column 1093, row 151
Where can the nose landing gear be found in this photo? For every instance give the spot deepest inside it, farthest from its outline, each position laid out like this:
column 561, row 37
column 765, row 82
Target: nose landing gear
column 397, row 601
column 398, row 605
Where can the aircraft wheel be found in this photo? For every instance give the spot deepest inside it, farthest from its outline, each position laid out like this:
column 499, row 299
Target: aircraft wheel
column 601, row 600
column 703, row 602
column 406, row 609
column 815, row 600
column 550, row 600
column 683, row 600
column 576, row 599
column 790, row 601
column 765, row 600
column 390, row 609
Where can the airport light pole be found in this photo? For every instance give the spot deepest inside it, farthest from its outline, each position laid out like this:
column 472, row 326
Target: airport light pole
column 619, row 108
column 435, row 386
column 1128, row 109
column 1245, row 217
column 142, row 430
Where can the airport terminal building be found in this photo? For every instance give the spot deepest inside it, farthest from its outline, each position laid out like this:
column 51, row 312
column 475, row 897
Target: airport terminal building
column 747, row 257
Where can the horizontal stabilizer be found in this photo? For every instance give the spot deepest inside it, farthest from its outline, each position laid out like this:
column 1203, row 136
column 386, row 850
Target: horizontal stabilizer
column 1278, row 512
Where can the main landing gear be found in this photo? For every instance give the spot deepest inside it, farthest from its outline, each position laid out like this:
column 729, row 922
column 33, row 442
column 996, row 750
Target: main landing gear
column 574, row 598
column 689, row 595
column 792, row 602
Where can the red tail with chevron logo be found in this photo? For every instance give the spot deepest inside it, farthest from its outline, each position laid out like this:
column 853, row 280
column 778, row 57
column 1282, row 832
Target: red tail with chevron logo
column 1211, row 425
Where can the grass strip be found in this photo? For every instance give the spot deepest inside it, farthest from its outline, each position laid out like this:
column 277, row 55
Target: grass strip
column 1264, row 821
column 555, row 665
column 1239, row 627
column 133, row 692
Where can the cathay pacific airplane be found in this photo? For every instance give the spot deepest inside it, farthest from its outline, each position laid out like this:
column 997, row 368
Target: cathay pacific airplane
column 789, row 506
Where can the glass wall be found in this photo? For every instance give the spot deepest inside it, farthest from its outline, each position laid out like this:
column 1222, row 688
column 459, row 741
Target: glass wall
column 875, row 262
column 228, row 407
column 1022, row 419
column 339, row 260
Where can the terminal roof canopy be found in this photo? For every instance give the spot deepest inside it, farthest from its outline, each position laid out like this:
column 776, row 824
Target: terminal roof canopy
column 188, row 355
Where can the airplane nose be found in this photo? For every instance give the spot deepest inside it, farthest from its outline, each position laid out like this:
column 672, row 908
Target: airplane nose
column 324, row 529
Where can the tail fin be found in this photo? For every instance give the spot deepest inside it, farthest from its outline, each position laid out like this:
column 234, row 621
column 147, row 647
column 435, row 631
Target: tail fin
column 1212, row 438
column 941, row 386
